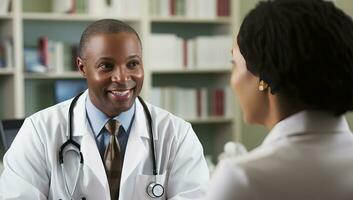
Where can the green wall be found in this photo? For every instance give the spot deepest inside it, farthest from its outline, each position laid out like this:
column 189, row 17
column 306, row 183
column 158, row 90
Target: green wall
column 345, row 5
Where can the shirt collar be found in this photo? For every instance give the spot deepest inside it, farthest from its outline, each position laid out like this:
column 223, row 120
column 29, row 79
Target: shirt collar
column 307, row 122
column 100, row 119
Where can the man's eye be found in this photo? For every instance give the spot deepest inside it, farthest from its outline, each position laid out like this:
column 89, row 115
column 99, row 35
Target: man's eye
column 133, row 64
column 106, row 65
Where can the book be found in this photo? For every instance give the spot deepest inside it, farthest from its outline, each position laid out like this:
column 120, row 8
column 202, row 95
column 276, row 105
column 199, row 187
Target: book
column 132, row 8
column 216, row 57
column 63, row 6
column 96, row 7
column 43, row 48
column 2, row 56
column 4, row 6
column 194, row 102
column 9, row 57
column 166, row 51
column 6, row 53
column 31, row 60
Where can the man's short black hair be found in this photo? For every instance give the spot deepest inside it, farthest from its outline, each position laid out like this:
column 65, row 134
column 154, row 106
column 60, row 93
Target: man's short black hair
column 104, row 26
column 303, row 49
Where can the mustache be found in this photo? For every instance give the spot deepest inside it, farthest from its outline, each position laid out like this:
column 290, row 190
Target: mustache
column 123, row 86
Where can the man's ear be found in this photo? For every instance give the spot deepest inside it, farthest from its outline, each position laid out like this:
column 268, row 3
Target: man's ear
column 81, row 66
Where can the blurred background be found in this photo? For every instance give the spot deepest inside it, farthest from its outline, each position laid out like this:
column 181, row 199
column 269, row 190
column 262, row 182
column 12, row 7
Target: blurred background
column 186, row 52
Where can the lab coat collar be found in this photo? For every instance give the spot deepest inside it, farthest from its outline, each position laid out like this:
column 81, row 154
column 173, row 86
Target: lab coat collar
column 81, row 122
column 307, row 122
column 141, row 122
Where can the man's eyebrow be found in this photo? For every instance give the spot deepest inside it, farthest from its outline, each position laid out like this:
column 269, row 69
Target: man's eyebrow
column 133, row 56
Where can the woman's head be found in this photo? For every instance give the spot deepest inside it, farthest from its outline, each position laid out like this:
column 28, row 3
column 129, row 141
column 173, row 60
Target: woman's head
column 303, row 49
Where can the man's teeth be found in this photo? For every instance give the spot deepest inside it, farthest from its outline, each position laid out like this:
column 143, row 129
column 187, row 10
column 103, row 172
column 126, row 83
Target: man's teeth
column 121, row 93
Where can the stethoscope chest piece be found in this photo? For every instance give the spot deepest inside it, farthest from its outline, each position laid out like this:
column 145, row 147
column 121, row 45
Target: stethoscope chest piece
column 155, row 190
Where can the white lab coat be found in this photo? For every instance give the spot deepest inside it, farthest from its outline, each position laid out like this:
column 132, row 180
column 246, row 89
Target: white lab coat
column 308, row 156
column 32, row 170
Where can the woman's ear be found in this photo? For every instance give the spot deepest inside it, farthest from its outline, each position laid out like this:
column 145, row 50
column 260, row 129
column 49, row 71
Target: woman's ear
column 81, row 66
column 262, row 85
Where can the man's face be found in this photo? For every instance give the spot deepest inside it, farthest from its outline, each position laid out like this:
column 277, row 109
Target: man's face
column 112, row 65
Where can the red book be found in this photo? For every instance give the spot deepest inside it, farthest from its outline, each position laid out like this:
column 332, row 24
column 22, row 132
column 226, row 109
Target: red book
column 217, row 103
column 73, row 8
column 43, row 51
column 227, row 7
column 185, row 53
column 172, row 5
column 214, row 102
column 219, row 7
column 221, row 102
column 198, row 102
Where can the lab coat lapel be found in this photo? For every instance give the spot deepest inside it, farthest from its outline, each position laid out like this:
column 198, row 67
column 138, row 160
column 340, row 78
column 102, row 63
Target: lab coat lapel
column 92, row 158
column 135, row 149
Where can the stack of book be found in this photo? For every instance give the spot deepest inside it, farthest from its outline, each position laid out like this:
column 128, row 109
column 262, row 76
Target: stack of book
column 117, row 8
column 194, row 102
column 204, row 52
column 207, row 9
column 50, row 56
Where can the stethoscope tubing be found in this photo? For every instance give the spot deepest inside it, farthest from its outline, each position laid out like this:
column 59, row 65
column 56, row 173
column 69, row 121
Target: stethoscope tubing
column 149, row 119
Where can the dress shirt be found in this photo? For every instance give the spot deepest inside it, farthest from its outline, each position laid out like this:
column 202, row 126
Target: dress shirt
column 98, row 119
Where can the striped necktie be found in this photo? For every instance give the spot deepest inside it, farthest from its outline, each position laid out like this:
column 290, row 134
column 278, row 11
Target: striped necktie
column 112, row 158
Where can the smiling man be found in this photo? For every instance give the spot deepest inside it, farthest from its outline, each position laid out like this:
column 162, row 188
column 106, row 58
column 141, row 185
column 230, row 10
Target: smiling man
column 105, row 143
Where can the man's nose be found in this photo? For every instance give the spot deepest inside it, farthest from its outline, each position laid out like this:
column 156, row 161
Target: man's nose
column 119, row 75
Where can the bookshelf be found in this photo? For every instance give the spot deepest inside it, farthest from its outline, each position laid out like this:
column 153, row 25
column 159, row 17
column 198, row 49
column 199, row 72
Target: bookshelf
column 182, row 19
column 23, row 93
column 191, row 71
column 70, row 17
column 49, row 75
column 213, row 131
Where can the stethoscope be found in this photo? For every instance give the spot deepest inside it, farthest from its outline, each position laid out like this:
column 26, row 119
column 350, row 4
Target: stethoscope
column 153, row 189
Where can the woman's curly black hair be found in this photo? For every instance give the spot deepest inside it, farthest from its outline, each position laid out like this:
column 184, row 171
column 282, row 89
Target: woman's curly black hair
column 303, row 49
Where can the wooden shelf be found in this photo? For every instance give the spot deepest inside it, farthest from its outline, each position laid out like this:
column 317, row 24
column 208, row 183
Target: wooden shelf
column 210, row 120
column 72, row 17
column 190, row 71
column 5, row 71
column 53, row 75
column 6, row 16
column 183, row 19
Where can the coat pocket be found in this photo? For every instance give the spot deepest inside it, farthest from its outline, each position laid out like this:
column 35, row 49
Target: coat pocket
column 143, row 181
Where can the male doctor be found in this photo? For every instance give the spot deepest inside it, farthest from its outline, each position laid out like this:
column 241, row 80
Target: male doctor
column 112, row 128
